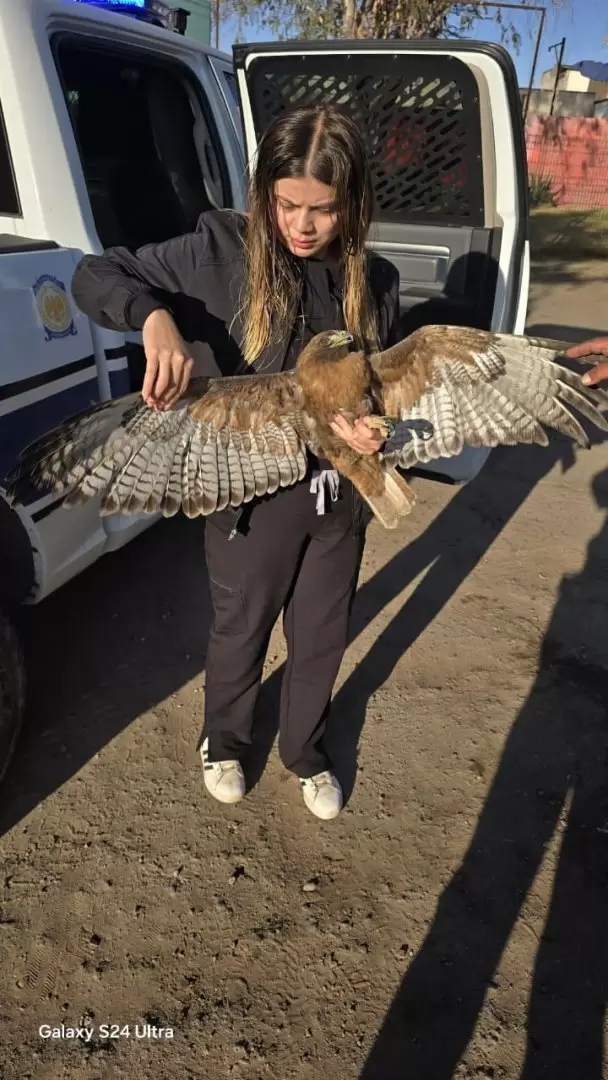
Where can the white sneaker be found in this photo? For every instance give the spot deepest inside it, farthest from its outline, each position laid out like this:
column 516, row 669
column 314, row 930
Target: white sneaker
column 224, row 780
column 322, row 795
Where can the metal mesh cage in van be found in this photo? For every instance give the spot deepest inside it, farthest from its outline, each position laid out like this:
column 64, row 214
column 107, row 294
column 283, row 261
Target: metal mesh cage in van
column 419, row 116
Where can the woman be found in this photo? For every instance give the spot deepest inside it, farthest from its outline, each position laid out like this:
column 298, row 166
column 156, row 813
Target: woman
column 248, row 293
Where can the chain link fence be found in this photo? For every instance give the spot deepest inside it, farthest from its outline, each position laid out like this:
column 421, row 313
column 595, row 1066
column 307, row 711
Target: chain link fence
column 568, row 178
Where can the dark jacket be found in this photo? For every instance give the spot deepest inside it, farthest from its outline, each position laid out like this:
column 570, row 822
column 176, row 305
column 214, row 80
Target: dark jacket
column 199, row 279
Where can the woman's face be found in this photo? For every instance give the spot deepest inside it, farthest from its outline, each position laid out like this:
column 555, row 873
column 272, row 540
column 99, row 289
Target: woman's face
column 306, row 213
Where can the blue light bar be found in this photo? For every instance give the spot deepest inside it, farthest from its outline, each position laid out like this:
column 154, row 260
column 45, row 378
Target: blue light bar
column 114, row 3
column 153, row 11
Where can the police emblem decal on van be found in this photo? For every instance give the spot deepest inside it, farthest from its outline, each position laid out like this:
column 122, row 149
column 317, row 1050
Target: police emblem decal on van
column 53, row 307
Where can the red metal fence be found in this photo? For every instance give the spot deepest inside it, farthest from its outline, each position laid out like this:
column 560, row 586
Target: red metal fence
column 571, row 154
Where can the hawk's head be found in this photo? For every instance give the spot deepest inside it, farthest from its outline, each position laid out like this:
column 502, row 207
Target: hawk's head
column 329, row 346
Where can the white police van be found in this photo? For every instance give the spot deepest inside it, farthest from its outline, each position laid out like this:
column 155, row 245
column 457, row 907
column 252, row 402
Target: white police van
column 116, row 128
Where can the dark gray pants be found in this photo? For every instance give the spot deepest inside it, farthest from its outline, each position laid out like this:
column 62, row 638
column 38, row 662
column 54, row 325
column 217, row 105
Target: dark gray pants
column 306, row 565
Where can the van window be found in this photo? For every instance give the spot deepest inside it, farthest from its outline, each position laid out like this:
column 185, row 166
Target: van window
column 230, row 79
column 9, row 198
column 148, row 145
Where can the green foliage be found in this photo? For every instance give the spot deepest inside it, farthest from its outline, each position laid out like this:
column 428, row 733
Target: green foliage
column 541, row 191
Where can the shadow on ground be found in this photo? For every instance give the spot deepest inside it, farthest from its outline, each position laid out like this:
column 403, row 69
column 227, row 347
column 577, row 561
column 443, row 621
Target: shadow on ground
column 568, row 234
column 113, row 643
column 553, row 767
column 563, row 333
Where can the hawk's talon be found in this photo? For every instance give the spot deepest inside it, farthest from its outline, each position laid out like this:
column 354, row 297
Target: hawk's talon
column 383, row 424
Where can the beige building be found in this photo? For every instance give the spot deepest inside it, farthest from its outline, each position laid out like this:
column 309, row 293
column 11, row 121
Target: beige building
column 573, row 80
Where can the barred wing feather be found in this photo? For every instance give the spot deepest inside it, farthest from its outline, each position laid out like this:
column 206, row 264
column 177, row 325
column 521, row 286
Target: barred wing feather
column 227, row 441
column 459, row 387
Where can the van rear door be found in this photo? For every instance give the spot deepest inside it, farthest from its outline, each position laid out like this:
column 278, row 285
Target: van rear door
column 444, row 134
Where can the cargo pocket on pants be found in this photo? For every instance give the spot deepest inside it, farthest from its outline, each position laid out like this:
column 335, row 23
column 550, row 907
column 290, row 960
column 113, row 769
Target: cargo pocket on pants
column 228, row 609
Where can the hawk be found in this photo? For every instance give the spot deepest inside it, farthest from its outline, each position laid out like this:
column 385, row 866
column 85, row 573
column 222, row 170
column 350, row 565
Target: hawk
column 230, row 440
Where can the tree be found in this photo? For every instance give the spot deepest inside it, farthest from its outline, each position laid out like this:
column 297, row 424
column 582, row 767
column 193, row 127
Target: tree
column 369, row 18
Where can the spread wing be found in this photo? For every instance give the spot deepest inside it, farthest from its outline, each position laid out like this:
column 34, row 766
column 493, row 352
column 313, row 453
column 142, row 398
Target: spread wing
column 458, row 387
column 225, row 442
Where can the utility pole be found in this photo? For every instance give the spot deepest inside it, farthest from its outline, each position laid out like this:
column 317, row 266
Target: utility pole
column 217, row 24
column 543, row 14
column 561, row 45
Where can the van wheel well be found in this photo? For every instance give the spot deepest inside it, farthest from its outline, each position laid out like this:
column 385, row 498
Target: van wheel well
column 12, row 691
column 17, row 570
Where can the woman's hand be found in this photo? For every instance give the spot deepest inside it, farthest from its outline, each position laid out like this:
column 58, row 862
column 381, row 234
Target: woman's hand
column 597, row 347
column 360, row 436
column 168, row 365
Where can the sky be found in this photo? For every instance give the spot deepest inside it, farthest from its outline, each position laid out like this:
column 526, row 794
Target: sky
column 579, row 21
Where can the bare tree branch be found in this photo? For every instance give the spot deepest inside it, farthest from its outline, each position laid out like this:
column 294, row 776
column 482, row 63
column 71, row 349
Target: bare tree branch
column 392, row 19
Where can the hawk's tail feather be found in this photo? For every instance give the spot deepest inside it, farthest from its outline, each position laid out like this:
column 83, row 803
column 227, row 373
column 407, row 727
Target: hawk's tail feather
column 396, row 501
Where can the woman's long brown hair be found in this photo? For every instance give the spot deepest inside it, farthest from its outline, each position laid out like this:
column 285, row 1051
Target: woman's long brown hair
column 324, row 144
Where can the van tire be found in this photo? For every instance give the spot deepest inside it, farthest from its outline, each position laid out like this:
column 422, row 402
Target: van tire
column 12, row 691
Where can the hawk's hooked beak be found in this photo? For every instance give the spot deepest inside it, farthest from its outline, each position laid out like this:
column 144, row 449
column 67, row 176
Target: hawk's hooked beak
column 339, row 338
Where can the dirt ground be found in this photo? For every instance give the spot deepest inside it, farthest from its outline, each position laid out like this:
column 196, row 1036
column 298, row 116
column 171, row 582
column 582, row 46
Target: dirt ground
column 450, row 923
column 563, row 232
